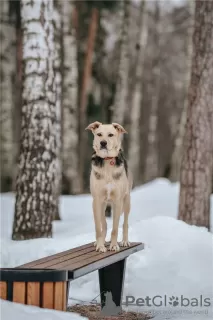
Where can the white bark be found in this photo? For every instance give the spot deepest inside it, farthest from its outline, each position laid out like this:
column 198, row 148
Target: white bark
column 177, row 152
column 121, row 95
column 152, row 160
column 70, row 100
column 7, row 70
column 134, row 144
column 38, row 162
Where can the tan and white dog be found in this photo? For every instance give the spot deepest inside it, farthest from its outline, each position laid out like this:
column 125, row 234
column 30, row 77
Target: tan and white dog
column 110, row 183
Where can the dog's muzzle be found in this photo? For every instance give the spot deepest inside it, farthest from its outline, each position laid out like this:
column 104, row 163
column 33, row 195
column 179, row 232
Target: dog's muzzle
column 103, row 144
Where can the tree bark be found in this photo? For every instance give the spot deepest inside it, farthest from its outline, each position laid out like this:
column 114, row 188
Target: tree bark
column 152, row 160
column 197, row 164
column 84, row 93
column 70, row 101
column 134, row 144
column 177, row 152
column 7, row 70
column 57, row 25
column 36, row 190
column 121, row 95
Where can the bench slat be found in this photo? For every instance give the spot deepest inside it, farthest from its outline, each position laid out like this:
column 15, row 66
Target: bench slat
column 3, row 290
column 76, row 256
column 83, row 260
column 19, row 292
column 108, row 258
column 33, row 293
column 57, row 255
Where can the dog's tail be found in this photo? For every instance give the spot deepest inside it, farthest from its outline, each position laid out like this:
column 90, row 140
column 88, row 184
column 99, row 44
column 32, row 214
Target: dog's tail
column 108, row 211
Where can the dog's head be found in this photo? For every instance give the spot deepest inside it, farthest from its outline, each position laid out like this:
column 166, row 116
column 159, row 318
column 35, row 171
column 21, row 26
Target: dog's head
column 107, row 138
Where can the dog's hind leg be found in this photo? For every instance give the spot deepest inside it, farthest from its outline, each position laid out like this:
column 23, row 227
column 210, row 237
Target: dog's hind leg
column 98, row 212
column 126, row 207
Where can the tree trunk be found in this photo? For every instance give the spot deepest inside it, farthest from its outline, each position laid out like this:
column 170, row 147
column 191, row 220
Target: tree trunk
column 152, row 160
column 177, row 152
column 7, row 70
column 197, row 164
column 57, row 24
column 36, row 190
column 84, row 93
column 121, row 95
column 70, row 101
column 134, row 144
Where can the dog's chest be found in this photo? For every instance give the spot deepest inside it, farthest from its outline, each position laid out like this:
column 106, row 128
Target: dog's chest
column 107, row 181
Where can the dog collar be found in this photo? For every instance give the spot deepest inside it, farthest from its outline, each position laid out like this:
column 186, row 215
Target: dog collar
column 112, row 162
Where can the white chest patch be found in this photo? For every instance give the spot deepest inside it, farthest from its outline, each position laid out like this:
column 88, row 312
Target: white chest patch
column 109, row 188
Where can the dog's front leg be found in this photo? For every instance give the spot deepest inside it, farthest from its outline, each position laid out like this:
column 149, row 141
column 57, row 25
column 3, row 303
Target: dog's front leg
column 97, row 212
column 117, row 207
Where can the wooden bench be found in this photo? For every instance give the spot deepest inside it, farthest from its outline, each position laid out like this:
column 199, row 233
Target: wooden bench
column 45, row 282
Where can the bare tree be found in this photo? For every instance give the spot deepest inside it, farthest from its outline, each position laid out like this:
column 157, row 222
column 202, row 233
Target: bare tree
column 197, row 164
column 177, row 152
column 152, row 158
column 84, row 91
column 36, row 188
column 120, row 102
column 70, row 100
column 7, row 70
column 134, row 141
column 57, row 53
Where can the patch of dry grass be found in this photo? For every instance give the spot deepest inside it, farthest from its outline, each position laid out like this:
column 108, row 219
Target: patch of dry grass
column 93, row 312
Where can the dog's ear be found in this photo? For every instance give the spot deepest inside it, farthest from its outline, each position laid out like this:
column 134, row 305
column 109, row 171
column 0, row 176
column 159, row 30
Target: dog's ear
column 93, row 126
column 119, row 128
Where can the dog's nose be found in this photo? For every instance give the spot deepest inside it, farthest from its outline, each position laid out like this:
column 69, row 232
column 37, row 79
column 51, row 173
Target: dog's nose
column 103, row 143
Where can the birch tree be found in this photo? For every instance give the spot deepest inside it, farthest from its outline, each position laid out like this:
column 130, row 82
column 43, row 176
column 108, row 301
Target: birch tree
column 152, row 160
column 70, row 100
column 121, row 95
column 197, row 164
column 177, row 153
column 7, row 71
column 38, row 162
column 134, row 144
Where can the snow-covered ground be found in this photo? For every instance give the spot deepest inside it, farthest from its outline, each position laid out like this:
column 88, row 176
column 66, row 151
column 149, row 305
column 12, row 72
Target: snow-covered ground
column 16, row 311
column 177, row 259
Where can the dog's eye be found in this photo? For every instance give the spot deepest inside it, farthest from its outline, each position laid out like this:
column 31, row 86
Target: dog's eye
column 111, row 135
column 99, row 134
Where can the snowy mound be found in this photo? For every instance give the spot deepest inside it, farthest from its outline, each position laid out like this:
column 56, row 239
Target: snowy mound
column 176, row 264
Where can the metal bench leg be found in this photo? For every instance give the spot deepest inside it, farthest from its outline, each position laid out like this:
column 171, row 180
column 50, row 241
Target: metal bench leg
column 111, row 280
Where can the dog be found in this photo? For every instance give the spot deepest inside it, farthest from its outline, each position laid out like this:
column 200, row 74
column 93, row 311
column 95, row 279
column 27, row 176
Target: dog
column 110, row 183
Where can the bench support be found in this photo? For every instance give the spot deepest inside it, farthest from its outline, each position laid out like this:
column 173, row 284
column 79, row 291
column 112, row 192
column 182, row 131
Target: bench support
column 111, row 280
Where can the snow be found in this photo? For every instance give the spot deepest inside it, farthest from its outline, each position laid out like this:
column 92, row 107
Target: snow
column 16, row 311
column 177, row 259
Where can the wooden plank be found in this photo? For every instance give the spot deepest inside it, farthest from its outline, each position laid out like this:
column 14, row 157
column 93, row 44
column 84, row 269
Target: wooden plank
column 65, row 296
column 59, row 295
column 3, row 290
column 19, row 292
column 57, row 255
column 33, row 293
column 94, row 256
column 48, row 295
column 70, row 256
column 68, row 262
column 95, row 264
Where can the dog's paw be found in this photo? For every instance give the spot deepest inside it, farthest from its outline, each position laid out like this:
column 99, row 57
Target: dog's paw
column 101, row 248
column 125, row 243
column 114, row 247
